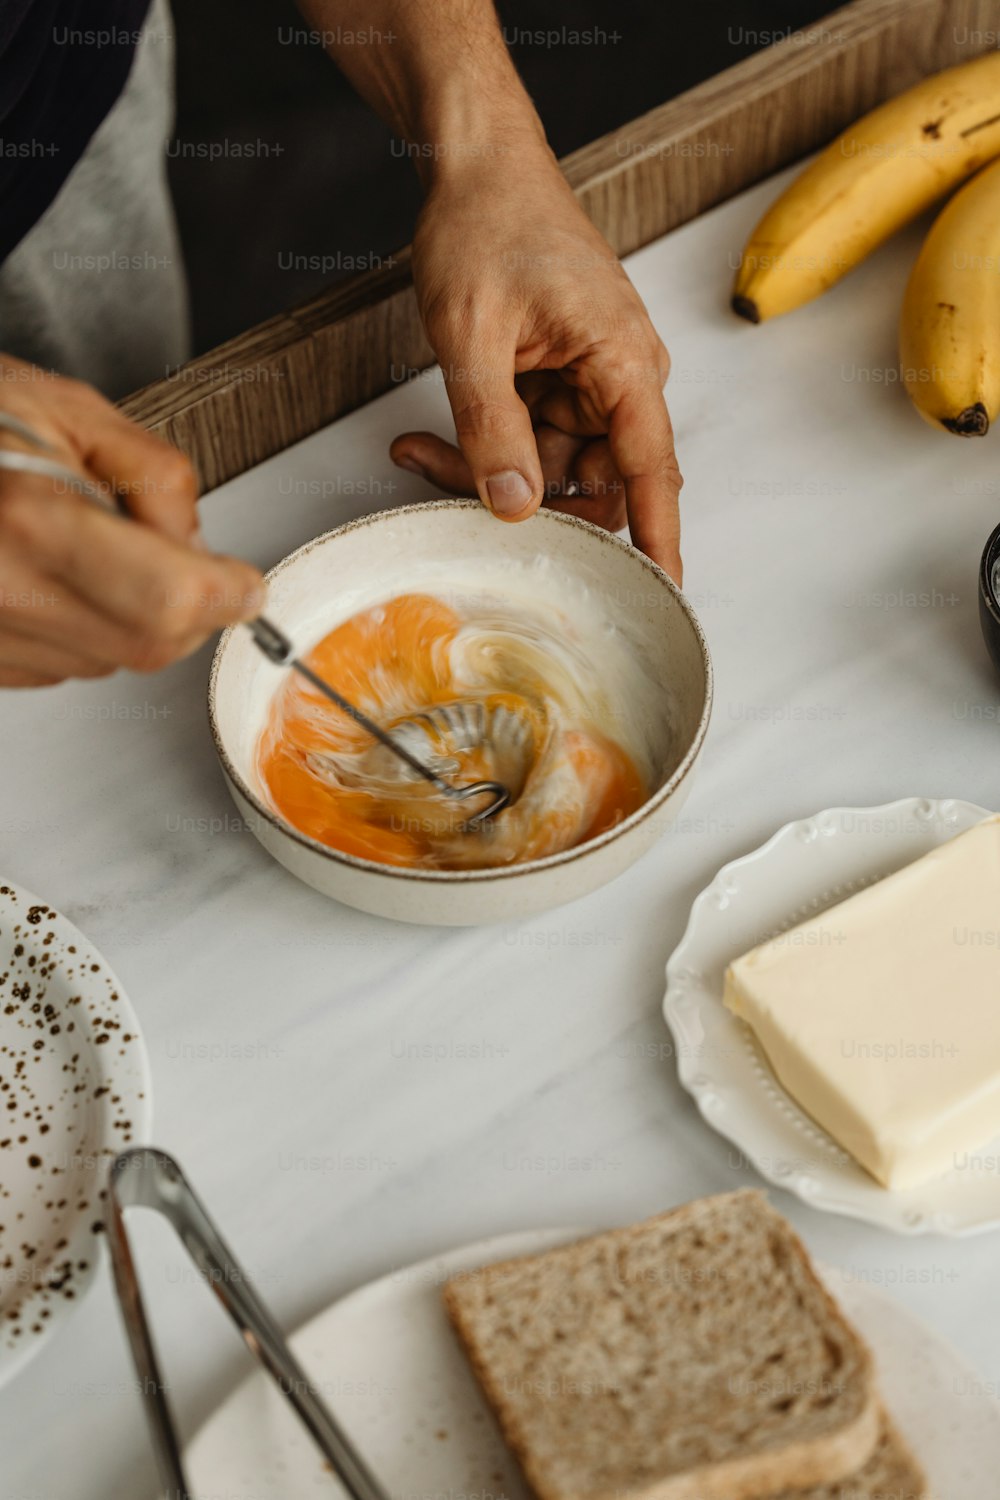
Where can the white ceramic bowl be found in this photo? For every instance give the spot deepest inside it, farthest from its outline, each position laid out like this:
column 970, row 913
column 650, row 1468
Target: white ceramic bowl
column 396, row 551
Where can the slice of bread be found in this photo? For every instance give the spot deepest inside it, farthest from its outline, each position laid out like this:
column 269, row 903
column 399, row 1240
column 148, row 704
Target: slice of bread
column 892, row 1473
column 693, row 1357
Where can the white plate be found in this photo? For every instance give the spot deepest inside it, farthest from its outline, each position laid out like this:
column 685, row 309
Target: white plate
column 74, row 1089
column 385, row 1360
column 806, row 867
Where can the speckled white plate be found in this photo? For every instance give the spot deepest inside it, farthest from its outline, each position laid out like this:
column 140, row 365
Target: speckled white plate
column 385, row 1360
column 806, row 867
column 74, row 1089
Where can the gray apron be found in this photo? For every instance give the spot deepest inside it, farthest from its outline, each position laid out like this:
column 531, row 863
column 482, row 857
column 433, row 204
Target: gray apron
column 96, row 289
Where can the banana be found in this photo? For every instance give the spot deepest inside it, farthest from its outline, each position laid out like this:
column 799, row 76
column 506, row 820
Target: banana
column 885, row 169
column 949, row 331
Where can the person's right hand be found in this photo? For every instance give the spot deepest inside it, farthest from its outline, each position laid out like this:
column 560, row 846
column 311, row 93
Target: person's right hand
column 84, row 591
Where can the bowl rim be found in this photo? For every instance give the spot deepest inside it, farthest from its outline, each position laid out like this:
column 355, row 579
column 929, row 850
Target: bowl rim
column 991, row 554
column 494, row 872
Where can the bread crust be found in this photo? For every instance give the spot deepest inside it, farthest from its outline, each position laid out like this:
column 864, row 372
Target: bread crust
column 892, row 1473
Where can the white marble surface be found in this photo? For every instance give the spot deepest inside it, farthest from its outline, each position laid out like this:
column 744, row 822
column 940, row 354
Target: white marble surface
column 351, row 1095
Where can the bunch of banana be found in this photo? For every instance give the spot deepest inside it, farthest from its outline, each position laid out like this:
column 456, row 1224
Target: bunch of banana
column 882, row 172
column 949, row 333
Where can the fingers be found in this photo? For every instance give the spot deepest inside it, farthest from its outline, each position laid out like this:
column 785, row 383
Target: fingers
column 47, row 610
column 601, row 493
column 633, row 472
column 492, row 424
column 84, row 590
column 557, row 454
column 444, row 466
column 572, row 467
column 441, row 463
column 118, row 592
column 154, row 480
column 167, row 593
column 560, row 405
column 32, row 663
column 13, row 677
column 642, row 447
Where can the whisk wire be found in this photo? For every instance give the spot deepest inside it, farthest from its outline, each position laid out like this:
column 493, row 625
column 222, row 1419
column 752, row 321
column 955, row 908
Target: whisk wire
column 278, row 648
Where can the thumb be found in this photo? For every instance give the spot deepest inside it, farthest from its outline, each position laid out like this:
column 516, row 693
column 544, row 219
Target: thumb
column 494, row 431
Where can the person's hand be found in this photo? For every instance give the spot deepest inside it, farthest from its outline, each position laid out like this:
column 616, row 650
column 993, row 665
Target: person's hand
column 82, row 590
column 553, row 369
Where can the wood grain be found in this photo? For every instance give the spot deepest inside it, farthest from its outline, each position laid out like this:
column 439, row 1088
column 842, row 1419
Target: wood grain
column 672, row 164
column 276, row 383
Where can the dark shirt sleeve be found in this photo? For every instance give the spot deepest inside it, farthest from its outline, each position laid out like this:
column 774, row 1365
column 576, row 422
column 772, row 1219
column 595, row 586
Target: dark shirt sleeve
column 63, row 64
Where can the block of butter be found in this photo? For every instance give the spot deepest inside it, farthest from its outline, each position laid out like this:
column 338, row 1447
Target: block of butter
column 881, row 1016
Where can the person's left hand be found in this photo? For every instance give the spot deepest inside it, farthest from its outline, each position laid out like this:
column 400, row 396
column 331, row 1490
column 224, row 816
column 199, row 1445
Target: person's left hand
column 554, row 371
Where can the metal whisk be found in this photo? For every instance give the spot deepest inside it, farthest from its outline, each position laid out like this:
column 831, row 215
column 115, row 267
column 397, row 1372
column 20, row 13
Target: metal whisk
column 278, row 648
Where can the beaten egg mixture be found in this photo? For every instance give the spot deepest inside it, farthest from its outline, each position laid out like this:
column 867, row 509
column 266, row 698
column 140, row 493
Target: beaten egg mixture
column 551, row 737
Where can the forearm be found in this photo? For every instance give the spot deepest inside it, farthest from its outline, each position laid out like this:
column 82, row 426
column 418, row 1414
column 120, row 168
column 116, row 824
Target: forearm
column 437, row 71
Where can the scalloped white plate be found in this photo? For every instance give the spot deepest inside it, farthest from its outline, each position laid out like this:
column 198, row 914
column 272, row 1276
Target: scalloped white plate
column 386, row 1361
column 74, row 1090
column 807, row 866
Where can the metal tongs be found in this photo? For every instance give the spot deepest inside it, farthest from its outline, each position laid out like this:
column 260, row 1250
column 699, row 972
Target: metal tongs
column 272, row 641
column 144, row 1177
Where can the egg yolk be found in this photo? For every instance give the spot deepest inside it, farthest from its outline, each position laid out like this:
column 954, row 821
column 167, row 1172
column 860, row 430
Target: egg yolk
column 402, row 659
